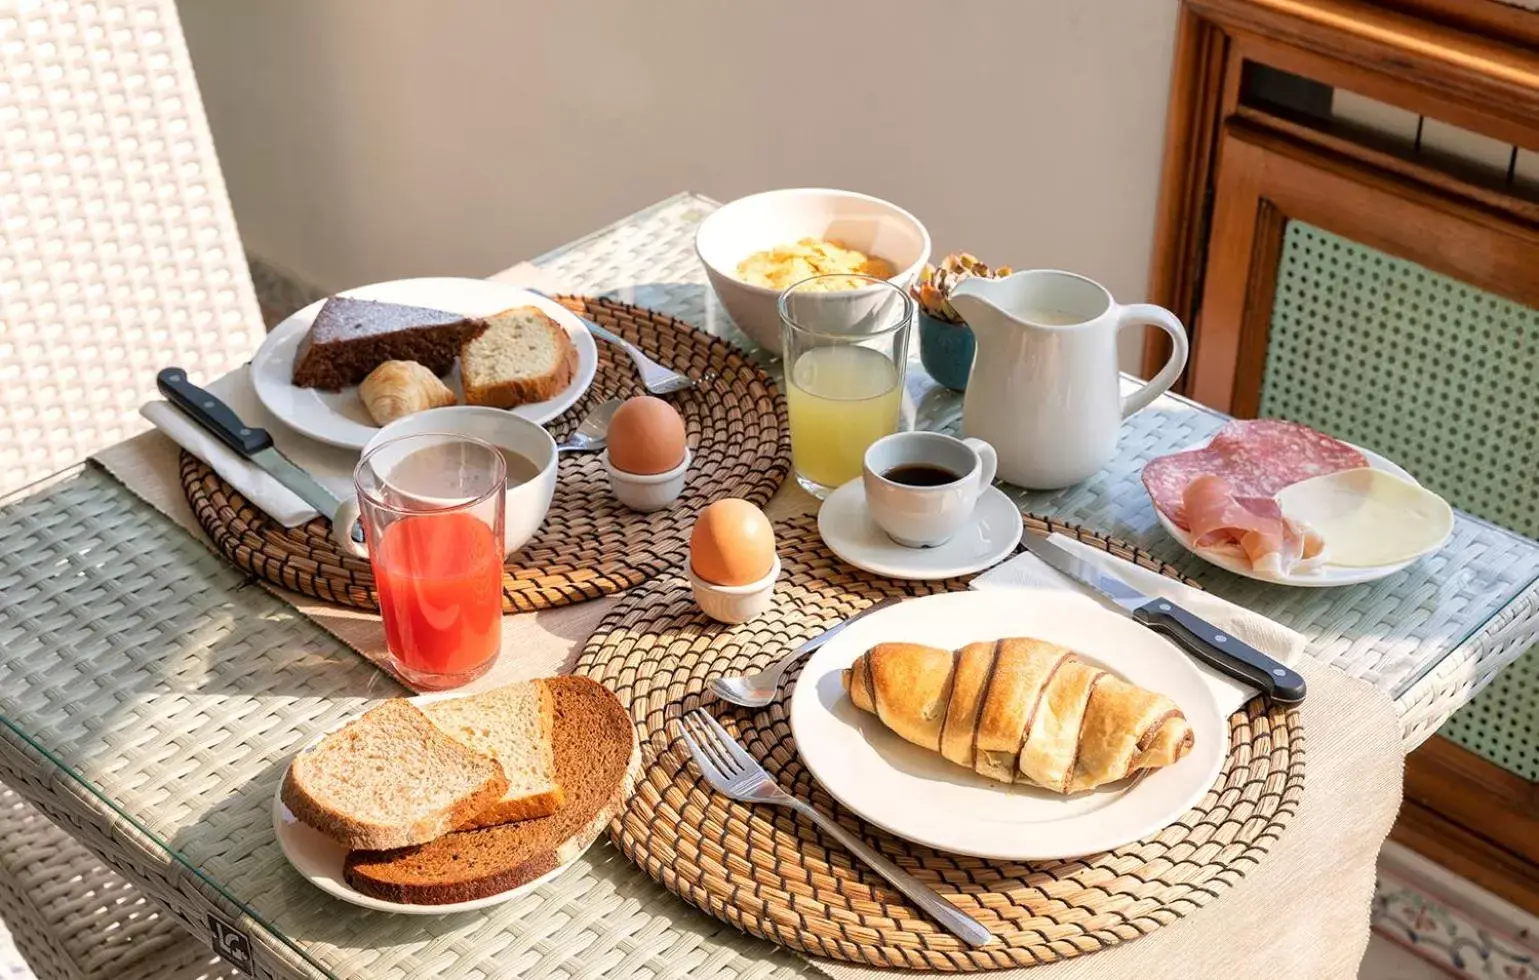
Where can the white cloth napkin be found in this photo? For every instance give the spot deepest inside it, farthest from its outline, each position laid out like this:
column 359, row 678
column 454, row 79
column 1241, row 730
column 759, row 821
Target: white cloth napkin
column 1027, row 571
column 332, row 467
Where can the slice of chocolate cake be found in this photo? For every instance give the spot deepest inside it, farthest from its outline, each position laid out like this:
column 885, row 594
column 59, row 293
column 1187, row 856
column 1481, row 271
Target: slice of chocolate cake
column 351, row 337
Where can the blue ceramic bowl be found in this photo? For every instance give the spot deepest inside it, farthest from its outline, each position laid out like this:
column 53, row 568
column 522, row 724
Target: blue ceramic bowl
column 946, row 351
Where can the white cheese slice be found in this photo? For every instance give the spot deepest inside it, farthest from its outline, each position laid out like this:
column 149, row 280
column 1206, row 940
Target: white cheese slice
column 1368, row 517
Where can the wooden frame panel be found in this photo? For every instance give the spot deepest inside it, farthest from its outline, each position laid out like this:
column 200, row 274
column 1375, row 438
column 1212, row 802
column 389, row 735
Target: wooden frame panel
column 1474, row 818
column 1264, row 179
column 1469, row 62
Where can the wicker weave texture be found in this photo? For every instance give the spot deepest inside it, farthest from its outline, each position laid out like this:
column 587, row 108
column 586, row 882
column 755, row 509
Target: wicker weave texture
column 75, row 919
column 214, row 684
column 119, row 253
column 590, row 544
column 1434, row 373
column 174, row 687
column 764, row 870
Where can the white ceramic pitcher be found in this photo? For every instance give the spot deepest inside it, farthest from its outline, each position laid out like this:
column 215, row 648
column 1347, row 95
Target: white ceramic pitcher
column 1044, row 388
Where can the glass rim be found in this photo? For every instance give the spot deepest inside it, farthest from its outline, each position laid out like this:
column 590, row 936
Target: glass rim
column 874, row 285
column 502, row 468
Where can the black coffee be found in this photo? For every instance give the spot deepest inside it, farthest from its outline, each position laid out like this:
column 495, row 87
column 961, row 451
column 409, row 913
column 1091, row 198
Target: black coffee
column 921, row 475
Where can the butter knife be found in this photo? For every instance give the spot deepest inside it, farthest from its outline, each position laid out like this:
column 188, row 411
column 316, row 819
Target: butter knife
column 1219, row 650
column 221, row 422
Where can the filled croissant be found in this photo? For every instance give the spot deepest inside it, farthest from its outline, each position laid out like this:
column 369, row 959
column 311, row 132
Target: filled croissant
column 396, row 389
column 1019, row 711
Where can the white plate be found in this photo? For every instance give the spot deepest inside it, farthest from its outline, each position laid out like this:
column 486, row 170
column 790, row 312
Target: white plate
column 319, row 859
column 918, row 795
column 339, row 418
column 1320, row 576
column 848, row 530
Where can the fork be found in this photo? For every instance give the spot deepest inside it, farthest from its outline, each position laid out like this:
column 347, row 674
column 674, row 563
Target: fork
column 654, row 377
column 727, row 766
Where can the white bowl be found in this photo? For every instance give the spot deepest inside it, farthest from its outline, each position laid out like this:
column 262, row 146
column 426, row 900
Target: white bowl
column 752, row 224
column 525, row 505
column 647, row 492
column 733, row 604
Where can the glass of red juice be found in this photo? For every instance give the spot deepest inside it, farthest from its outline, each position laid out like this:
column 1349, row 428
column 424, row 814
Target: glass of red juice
column 432, row 512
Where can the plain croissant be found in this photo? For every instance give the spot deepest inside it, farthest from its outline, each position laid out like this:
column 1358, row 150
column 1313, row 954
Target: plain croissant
column 399, row 388
column 1021, row 711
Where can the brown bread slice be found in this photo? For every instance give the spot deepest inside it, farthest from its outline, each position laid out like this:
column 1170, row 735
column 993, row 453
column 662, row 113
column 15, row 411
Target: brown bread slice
column 597, row 762
column 512, row 724
column 390, row 779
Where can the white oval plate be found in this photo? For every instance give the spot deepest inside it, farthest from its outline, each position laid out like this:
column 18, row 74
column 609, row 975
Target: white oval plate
column 319, row 859
column 990, row 537
column 918, row 795
column 339, row 418
column 1321, row 576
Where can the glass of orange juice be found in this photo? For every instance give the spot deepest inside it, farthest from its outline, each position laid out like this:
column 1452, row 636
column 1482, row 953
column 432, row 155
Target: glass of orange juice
column 432, row 512
column 844, row 340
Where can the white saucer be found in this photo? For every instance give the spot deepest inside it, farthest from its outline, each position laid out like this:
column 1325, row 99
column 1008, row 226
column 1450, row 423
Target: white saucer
column 850, row 533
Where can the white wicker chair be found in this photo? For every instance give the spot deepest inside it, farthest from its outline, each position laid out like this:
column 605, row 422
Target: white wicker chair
column 118, row 256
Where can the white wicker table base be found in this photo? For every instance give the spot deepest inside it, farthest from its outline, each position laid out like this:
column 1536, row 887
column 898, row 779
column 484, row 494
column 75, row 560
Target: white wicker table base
column 73, row 918
column 150, row 695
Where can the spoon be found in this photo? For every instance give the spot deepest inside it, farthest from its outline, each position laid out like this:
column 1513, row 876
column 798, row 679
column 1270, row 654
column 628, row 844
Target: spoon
column 593, row 434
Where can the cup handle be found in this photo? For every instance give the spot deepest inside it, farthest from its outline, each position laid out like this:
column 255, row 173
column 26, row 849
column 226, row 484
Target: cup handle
column 988, row 463
column 1145, row 314
column 342, row 529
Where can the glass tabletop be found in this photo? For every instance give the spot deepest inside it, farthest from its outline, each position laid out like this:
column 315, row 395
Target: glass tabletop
column 173, row 688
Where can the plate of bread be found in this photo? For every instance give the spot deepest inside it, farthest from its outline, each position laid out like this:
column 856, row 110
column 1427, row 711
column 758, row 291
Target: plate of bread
column 341, row 368
column 1019, row 724
column 449, row 803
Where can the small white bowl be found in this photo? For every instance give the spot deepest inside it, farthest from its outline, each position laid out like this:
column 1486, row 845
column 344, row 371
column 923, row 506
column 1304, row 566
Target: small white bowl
column 648, row 492
column 526, row 503
column 733, row 604
column 752, row 224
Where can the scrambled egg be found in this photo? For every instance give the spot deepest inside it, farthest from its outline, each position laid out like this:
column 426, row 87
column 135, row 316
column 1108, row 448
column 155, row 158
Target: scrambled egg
column 787, row 265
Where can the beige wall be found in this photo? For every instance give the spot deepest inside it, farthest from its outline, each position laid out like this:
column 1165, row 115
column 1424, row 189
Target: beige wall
column 370, row 140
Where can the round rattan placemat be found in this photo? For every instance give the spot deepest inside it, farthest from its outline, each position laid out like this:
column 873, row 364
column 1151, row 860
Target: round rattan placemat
column 775, row 876
column 590, row 545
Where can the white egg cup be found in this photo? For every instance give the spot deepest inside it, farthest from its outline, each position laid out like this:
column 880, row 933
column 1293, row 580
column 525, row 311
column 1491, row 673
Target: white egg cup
column 733, row 604
column 647, row 492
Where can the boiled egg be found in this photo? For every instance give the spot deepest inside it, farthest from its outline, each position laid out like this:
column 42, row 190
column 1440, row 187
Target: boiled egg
column 646, row 436
column 732, row 544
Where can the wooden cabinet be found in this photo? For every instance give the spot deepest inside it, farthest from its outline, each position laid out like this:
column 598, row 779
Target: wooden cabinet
column 1260, row 139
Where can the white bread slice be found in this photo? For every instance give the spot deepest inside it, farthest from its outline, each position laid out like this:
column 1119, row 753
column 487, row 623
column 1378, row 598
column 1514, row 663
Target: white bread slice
column 512, row 724
column 390, row 779
column 598, row 760
column 523, row 356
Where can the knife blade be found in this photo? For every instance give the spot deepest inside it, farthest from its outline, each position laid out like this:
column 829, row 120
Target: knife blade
column 1222, row 651
column 255, row 444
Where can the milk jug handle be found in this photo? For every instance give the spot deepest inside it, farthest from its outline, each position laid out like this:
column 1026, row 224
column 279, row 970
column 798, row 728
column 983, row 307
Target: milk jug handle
column 1145, row 314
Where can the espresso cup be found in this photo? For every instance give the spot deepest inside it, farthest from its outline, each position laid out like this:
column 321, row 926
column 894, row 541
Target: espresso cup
column 922, row 487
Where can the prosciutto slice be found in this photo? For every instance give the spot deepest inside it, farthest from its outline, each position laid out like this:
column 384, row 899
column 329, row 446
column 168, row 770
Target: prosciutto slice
column 1255, row 457
column 1250, row 527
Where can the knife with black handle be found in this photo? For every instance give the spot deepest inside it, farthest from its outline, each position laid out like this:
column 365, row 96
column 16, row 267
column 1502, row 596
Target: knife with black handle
column 1222, row 651
column 249, row 442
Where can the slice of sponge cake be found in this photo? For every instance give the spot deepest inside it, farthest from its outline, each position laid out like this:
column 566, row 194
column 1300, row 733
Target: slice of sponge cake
column 512, row 724
column 523, row 356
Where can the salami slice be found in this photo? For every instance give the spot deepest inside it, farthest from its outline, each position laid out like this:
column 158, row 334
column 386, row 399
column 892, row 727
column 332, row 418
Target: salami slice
column 1256, row 457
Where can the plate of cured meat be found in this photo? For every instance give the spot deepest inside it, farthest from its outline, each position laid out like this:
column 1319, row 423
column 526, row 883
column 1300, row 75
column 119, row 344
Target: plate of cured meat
column 1280, row 502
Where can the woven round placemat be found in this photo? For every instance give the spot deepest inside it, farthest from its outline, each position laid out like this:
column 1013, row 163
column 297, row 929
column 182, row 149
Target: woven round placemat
column 775, row 876
column 590, row 545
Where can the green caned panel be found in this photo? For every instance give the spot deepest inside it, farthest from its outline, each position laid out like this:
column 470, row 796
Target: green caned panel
column 1437, row 375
